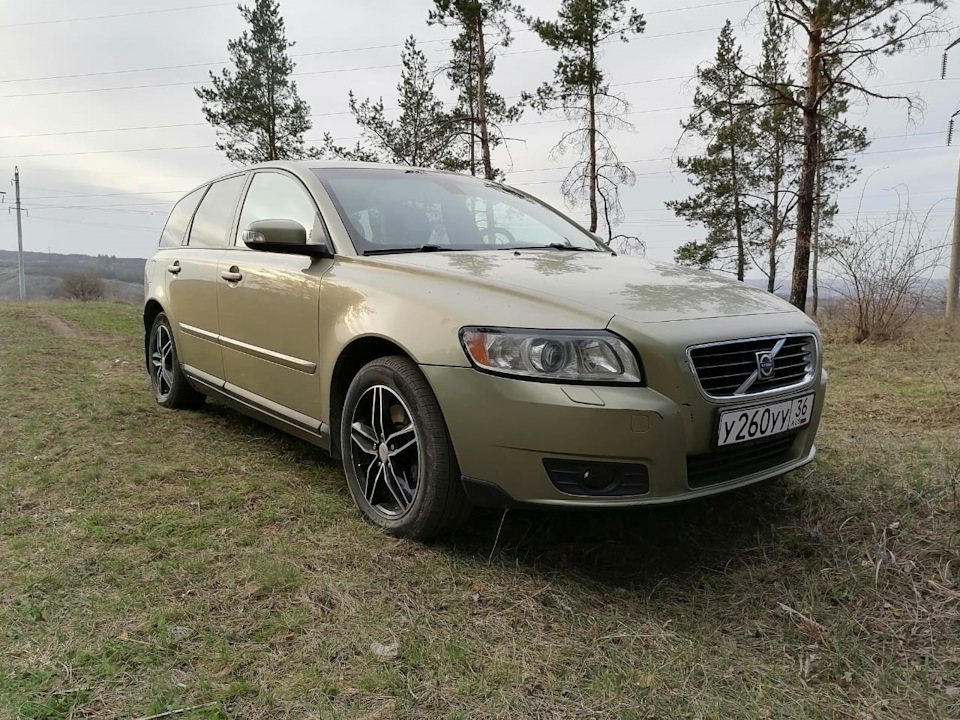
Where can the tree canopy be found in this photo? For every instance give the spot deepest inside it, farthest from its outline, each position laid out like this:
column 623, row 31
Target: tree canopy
column 255, row 106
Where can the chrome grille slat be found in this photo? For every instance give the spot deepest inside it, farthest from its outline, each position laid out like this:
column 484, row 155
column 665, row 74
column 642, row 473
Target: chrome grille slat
column 800, row 353
column 728, row 369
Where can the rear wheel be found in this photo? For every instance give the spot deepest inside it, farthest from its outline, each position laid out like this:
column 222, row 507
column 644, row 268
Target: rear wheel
column 397, row 455
column 170, row 386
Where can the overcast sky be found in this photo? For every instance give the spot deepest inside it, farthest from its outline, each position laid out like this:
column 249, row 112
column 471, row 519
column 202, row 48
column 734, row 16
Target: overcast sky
column 68, row 87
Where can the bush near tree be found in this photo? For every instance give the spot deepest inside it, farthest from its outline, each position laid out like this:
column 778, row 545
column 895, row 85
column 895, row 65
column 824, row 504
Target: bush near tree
column 83, row 287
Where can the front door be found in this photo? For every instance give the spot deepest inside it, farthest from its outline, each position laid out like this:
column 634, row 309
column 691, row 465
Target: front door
column 192, row 281
column 269, row 305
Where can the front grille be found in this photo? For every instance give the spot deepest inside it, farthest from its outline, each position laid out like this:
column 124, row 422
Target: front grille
column 738, row 461
column 729, row 369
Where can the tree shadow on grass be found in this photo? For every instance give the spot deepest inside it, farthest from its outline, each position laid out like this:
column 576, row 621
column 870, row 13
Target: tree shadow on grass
column 640, row 547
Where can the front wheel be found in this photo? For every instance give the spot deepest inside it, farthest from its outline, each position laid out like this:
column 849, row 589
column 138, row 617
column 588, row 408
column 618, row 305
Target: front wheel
column 397, row 455
column 170, row 386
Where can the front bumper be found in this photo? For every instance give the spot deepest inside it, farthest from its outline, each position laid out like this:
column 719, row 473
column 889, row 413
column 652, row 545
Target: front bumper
column 503, row 429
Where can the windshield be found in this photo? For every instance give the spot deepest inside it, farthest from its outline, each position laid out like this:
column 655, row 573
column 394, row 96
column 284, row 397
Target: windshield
column 393, row 210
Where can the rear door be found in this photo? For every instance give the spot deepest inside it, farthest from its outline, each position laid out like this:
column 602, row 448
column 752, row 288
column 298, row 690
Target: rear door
column 269, row 311
column 193, row 279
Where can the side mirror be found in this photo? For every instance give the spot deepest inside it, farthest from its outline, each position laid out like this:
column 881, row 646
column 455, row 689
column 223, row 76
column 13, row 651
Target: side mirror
column 282, row 236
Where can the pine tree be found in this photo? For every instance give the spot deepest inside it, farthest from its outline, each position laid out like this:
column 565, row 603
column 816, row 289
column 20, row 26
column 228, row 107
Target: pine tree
column 479, row 111
column 581, row 90
column 842, row 39
column 724, row 121
column 255, row 107
column 424, row 135
column 774, row 157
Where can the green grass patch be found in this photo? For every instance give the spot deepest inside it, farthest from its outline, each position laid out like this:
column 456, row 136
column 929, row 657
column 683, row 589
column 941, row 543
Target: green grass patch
column 153, row 561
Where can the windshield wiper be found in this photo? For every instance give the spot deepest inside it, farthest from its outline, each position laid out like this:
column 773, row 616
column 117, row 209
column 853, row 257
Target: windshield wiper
column 398, row 250
column 554, row 246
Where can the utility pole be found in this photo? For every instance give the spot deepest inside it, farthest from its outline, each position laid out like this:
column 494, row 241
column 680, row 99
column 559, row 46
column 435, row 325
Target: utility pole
column 19, row 207
column 953, row 278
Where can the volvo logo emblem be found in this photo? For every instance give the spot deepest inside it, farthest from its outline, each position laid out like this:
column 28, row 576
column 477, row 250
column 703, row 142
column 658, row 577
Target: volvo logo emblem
column 765, row 365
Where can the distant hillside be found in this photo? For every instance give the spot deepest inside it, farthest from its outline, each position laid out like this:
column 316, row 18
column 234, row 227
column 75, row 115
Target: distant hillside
column 123, row 276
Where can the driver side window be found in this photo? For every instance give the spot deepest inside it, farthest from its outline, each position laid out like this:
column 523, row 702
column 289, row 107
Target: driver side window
column 273, row 196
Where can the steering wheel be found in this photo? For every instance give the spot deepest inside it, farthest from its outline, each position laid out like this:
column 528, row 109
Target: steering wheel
column 494, row 232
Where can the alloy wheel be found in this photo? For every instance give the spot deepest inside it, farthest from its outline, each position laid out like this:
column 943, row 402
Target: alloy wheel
column 385, row 451
column 162, row 359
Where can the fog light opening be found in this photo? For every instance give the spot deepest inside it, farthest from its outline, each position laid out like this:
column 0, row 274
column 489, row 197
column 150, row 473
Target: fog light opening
column 598, row 477
column 578, row 477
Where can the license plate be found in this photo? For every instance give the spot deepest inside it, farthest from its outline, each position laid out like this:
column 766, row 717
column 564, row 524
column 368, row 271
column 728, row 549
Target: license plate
column 760, row 421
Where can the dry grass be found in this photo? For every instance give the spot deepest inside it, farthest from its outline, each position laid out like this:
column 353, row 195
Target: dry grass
column 152, row 561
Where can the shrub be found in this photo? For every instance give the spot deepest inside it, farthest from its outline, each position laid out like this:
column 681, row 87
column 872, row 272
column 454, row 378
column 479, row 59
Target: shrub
column 884, row 272
column 84, row 288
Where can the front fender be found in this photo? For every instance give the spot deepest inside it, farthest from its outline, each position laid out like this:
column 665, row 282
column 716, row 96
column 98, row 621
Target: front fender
column 422, row 311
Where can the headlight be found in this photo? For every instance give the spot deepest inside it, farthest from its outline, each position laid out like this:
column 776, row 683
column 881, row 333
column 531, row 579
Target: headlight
column 561, row 356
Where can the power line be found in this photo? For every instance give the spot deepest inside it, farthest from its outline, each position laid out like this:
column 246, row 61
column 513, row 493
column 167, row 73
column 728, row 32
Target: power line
column 673, row 171
column 886, row 195
column 667, row 222
column 316, row 53
column 102, row 205
column 107, row 152
column 294, row 74
column 347, row 112
column 208, row 64
column 696, row 7
column 663, row 159
column 96, row 208
column 74, row 195
column 106, row 130
column 515, row 172
column 118, row 15
column 95, row 224
column 181, row 84
column 200, row 147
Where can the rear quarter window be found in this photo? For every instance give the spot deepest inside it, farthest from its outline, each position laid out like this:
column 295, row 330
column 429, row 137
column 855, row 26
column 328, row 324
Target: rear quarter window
column 212, row 221
column 179, row 219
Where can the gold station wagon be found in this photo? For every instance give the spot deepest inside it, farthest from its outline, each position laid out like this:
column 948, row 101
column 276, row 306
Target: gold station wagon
column 457, row 342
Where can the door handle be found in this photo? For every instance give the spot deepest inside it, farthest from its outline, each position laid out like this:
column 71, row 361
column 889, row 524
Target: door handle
column 175, row 268
column 232, row 275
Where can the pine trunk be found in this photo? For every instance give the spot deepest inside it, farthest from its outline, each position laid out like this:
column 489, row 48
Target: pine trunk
column 592, row 131
column 777, row 222
column 482, row 100
column 805, row 193
column 818, row 210
column 774, row 240
column 272, row 153
column 737, row 210
column 473, row 137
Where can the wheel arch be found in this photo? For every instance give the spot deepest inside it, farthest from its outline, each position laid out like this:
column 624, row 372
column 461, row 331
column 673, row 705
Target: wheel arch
column 150, row 312
column 357, row 353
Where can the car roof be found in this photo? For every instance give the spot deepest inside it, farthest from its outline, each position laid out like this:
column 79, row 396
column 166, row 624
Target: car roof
column 304, row 167
column 307, row 165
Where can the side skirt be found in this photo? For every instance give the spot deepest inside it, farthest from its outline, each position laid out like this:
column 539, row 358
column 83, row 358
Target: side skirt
column 301, row 426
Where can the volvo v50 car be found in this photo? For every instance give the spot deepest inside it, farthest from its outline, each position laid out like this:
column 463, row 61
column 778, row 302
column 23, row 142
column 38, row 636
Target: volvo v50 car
column 457, row 342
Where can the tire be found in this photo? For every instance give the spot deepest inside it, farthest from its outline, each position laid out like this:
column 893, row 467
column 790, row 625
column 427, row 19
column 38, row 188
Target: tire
column 400, row 465
column 170, row 386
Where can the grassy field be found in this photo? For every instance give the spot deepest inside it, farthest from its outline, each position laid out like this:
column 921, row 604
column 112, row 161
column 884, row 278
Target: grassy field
column 199, row 562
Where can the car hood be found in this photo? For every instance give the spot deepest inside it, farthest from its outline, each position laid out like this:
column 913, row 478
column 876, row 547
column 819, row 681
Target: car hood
column 633, row 288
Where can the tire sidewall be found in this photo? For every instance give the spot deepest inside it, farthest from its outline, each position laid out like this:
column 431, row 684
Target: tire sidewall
column 434, row 458
column 161, row 320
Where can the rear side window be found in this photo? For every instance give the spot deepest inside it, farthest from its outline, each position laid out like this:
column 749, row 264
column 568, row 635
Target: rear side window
column 179, row 219
column 211, row 224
